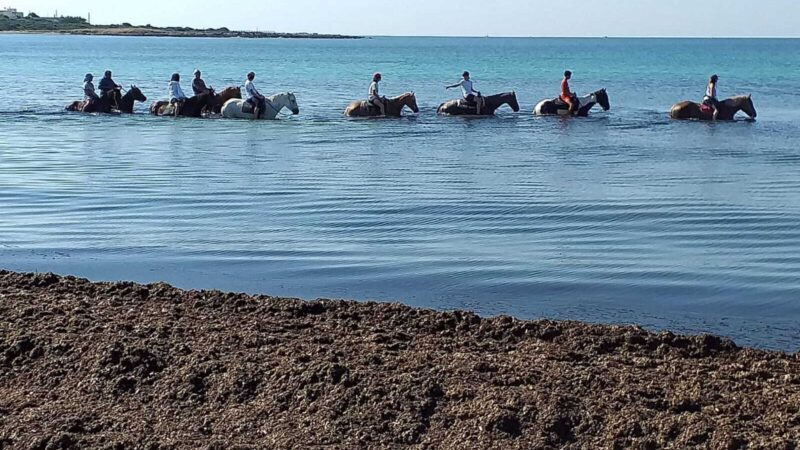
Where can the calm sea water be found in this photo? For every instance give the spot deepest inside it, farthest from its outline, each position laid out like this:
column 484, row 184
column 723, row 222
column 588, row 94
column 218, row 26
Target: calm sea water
column 625, row 217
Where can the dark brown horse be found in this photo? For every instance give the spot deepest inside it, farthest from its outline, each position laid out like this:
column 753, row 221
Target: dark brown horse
column 492, row 103
column 192, row 107
column 106, row 103
column 394, row 107
column 223, row 96
column 727, row 109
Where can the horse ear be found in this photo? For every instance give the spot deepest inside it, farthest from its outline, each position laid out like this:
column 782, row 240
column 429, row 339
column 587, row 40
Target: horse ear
column 750, row 96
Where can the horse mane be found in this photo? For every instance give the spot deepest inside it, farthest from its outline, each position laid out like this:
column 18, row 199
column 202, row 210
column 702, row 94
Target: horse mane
column 230, row 89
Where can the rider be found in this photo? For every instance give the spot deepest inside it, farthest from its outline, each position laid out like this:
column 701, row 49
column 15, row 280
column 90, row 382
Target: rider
column 710, row 99
column 254, row 97
column 472, row 96
column 176, row 95
column 108, row 86
column 89, row 94
column 198, row 85
column 374, row 96
column 567, row 96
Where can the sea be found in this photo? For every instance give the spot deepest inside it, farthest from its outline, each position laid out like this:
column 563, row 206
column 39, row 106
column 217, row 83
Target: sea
column 625, row 217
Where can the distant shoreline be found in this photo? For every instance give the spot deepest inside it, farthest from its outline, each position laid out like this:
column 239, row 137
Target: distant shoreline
column 147, row 32
column 33, row 24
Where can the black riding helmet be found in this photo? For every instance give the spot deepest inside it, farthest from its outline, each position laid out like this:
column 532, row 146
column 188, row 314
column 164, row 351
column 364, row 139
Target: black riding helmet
column 176, row 77
column 251, row 75
column 714, row 78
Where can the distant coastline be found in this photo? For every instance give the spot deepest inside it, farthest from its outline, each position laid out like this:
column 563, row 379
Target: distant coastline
column 33, row 24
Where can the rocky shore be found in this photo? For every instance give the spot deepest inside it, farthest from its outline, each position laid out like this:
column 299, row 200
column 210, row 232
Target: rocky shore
column 127, row 366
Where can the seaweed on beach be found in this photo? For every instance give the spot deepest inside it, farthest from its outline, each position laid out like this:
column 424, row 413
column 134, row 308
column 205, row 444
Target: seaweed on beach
column 129, row 366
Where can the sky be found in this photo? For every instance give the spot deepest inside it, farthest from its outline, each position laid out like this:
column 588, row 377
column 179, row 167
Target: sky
column 639, row 18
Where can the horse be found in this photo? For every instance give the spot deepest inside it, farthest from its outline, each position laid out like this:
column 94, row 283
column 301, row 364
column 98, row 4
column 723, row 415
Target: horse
column 103, row 105
column 557, row 107
column 727, row 109
column 491, row 104
column 394, row 106
column 223, row 96
column 240, row 109
column 192, row 107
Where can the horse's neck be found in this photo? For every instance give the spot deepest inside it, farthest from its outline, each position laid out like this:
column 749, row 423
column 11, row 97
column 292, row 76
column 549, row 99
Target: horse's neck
column 126, row 102
column 591, row 98
column 735, row 103
column 279, row 101
column 496, row 101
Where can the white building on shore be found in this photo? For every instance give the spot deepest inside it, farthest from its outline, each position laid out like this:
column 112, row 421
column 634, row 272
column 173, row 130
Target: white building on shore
column 11, row 13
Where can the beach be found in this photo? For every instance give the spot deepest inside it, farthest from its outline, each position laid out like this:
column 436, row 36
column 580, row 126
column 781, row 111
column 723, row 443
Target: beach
column 123, row 365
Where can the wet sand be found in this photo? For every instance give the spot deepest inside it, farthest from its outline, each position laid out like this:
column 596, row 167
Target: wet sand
column 126, row 366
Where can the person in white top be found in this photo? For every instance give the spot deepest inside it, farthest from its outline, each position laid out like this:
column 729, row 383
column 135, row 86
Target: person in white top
column 176, row 95
column 254, row 97
column 470, row 94
column 375, row 96
column 711, row 95
column 89, row 94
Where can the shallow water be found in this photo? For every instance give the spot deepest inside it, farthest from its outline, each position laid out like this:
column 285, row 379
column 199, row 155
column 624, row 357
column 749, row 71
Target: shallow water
column 625, row 217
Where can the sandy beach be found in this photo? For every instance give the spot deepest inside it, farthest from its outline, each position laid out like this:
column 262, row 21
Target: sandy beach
column 123, row 366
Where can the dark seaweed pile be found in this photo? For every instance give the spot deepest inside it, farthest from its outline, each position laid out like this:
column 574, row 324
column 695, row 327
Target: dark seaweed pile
column 126, row 366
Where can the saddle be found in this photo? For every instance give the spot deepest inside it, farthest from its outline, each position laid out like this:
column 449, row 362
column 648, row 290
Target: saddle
column 706, row 109
column 248, row 108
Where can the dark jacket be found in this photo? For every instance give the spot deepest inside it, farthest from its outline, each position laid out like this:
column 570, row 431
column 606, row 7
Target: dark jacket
column 106, row 85
column 199, row 86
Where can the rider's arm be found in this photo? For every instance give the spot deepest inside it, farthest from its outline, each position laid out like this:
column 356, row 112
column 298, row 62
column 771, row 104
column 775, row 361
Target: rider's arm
column 454, row 85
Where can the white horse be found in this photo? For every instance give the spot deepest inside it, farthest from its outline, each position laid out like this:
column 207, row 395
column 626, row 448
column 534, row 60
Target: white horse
column 233, row 108
column 557, row 107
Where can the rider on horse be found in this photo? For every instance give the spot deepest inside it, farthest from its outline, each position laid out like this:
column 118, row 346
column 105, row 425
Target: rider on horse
column 710, row 98
column 108, row 87
column 198, row 85
column 472, row 96
column 374, row 96
column 89, row 94
column 176, row 95
column 567, row 96
column 254, row 97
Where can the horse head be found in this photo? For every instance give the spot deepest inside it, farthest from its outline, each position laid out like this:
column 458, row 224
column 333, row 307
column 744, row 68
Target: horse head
column 602, row 99
column 137, row 93
column 512, row 102
column 293, row 106
column 411, row 101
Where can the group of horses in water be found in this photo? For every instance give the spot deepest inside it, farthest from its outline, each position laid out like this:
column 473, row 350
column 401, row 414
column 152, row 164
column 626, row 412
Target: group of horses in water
column 228, row 103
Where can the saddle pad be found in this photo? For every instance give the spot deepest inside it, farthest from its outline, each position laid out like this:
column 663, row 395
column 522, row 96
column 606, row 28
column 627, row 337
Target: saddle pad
column 248, row 108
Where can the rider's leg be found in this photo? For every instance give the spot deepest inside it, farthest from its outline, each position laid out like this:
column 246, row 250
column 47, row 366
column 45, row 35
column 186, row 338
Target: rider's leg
column 480, row 102
column 381, row 106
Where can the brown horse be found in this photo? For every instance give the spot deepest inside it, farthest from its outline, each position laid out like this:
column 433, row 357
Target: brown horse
column 492, row 103
column 192, row 107
column 727, row 109
column 223, row 96
column 394, row 107
column 104, row 104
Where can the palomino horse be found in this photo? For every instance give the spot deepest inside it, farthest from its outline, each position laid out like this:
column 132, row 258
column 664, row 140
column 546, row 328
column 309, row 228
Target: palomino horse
column 727, row 109
column 223, row 96
column 103, row 105
column 557, row 107
column 394, row 107
column 192, row 107
column 491, row 104
column 240, row 109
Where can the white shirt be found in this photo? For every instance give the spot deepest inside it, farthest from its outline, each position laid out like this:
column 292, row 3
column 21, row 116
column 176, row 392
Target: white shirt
column 175, row 91
column 251, row 90
column 711, row 90
column 466, row 88
column 88, row 90
column 373, row 90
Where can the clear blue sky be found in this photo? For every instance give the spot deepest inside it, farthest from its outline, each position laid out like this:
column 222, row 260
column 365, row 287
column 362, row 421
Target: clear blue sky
column 748, row 18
